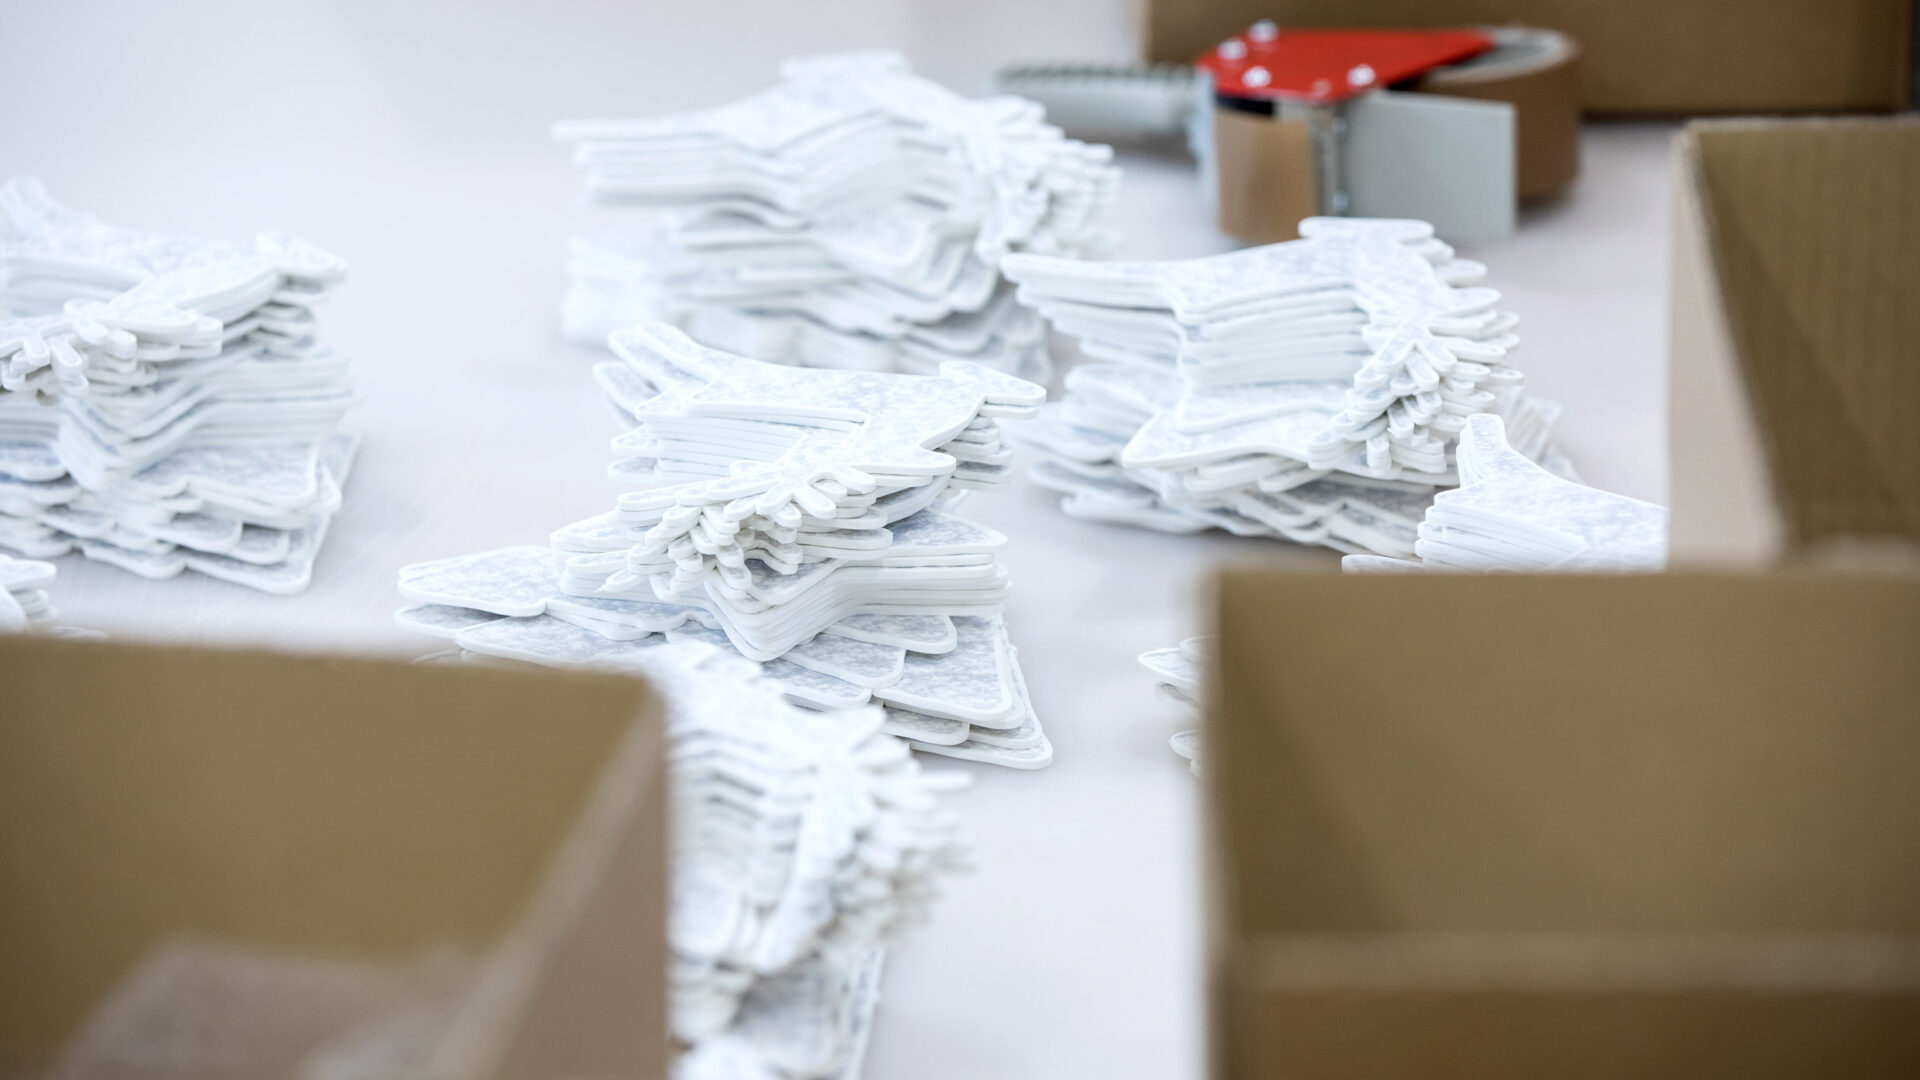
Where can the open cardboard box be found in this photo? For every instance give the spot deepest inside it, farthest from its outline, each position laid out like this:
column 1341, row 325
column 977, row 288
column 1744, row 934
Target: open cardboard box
column 1497, row 827
column 1795, row 338
column 233, row 864
column 1640, row 56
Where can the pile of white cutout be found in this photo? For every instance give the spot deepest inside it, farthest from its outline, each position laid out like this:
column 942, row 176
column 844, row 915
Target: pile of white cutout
column 165, row 404
column 794, row 581
column 1510, row 514
column 1310, row 390
column 852, row 216
column 803, row 842
column 1507, row 515
column 804, row 524
column 26, row 599
column 1177, row 672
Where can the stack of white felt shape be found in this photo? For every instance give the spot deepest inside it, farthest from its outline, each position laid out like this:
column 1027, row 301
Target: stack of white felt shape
column 802, row 600
column 26, row 603
column 803, row 525
column 164, row 403
column 1176, row 673
column 1510, row 514
column 1309, row 390
column 803, row 842
column 853, row 216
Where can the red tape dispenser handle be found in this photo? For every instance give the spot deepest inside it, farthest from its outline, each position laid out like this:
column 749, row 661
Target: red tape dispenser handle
column 1324, row 67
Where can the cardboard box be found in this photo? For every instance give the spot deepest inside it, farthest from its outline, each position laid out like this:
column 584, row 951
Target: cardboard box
column 1641, row 56
column 1497, row 827
column 1795, row 338
column 232, row 864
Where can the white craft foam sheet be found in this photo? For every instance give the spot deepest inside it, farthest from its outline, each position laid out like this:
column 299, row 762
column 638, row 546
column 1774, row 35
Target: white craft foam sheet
column 852, row 216
column 803, row 842
column 165, row 403
column 1310, row 391
column 1510, row 513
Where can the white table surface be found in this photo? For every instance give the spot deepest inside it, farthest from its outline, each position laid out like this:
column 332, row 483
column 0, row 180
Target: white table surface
column 411, row 138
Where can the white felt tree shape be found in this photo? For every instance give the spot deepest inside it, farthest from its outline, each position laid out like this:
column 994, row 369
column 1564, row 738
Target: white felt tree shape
column 1590, row 529
column 848, row 433
column 1436, row 347
column 134, row 296
column 1510, row 514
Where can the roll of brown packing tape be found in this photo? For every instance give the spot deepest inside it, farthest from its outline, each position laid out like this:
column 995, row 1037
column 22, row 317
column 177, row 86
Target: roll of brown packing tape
column 1266, row 172
column 1536, row 71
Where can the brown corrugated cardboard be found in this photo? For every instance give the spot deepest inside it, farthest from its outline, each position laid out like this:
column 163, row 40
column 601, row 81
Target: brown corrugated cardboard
column 1642, row 56
column 1504, row 827
column 303, row 823
column 1795, row 390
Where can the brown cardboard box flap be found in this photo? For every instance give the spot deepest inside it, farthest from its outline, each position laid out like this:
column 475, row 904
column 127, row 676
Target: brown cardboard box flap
column 302, row 822
column 1796, row 390
column 1642, row 56
column 1606, row 1033
column 1573, row 810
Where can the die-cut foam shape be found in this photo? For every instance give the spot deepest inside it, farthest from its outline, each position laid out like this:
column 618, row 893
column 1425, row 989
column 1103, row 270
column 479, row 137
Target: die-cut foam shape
column 1512, row 514
column 1412, row 336
column 851, row 217
column 849, row 433
column 800, row 839
column 1311, row 391
column 177, row 384
column 26, row 602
